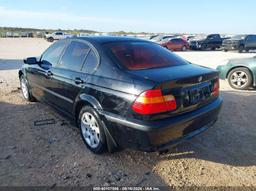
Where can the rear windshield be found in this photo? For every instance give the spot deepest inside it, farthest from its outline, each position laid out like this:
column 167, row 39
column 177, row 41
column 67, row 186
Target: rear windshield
column 143, row 55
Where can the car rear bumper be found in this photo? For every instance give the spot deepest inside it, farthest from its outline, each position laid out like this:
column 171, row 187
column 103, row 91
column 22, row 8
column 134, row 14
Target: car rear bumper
column 159, row 135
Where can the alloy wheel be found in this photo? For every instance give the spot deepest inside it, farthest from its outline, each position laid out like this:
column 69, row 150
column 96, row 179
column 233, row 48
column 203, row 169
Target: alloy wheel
column 90, row 129
column 239, row 79
column 24, row 88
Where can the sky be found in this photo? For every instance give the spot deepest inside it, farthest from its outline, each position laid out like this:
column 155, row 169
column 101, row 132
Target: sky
column 167, row 16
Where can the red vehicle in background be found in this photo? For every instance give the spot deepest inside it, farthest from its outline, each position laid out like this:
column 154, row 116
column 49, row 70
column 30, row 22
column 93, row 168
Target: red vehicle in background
column 175, row 44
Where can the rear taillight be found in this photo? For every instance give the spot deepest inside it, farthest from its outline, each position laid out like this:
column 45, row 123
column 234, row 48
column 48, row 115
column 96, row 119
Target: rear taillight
column 153, row 101
column 216, row 87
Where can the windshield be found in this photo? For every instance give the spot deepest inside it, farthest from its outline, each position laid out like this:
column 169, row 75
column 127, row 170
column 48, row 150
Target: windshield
column 143, row 55
column 157, row 38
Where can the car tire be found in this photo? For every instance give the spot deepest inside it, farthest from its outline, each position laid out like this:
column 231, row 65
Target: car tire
column 26, row 92
column 240, row 78
column 241, row 48
column 184, row 48
column 225, row 50
column 50, row 39
column 92, row 130
column 204, row 46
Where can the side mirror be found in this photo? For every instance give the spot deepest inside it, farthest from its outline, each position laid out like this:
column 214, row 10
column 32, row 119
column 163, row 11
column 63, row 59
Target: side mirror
column 30, row 60
column 45, row 65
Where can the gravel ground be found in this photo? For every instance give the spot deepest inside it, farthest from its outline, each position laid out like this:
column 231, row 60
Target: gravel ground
column 55, row 155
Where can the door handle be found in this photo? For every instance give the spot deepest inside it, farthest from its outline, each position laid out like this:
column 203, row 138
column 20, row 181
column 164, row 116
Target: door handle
column 79, row 81
column 49, row 73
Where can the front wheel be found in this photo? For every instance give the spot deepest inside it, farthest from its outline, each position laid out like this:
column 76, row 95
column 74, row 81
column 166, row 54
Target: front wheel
column 25, row 89
column 50, row 39
column 240, row 78
column 92, row 130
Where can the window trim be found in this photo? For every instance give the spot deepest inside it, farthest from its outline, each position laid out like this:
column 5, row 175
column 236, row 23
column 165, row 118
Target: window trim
column 61, row 54
column 117, row 63
column 92, row 48
column 97, row 65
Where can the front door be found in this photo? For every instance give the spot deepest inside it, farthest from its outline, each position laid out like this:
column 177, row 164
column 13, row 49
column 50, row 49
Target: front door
column 39, row 75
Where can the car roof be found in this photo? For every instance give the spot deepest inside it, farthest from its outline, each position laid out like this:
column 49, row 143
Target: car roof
column 108, row 39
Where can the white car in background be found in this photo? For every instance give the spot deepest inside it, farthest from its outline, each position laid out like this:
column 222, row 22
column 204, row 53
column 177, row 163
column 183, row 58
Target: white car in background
column 57, row 36
column 159, row 38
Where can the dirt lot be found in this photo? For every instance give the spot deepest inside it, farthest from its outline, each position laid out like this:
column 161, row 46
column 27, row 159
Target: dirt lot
column 55, row 155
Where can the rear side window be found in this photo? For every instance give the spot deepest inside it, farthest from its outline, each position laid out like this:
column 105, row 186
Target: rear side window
column 143, row 55
column 74, row 56
column 52, row 54
column 91, row 62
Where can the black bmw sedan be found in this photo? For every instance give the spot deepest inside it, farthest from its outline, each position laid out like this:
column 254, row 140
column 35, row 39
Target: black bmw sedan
column 123, row 92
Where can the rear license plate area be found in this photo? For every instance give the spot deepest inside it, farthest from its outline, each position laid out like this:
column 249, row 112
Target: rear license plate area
column 197, row 94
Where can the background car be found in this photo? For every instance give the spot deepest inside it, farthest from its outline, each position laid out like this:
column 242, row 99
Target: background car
column 240, row 73
column 175, row 44
column 203, row 42
column 159, row 38
column 240, row 43
column 124, row 92
column 57, row 36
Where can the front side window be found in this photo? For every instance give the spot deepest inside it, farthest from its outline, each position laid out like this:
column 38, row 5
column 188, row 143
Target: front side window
column 52, row 54
column 176, row 41
column 143, row 55
column 74, row 56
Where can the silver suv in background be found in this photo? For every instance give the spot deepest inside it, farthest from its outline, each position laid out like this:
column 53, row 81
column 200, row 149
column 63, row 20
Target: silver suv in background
column 57, row 36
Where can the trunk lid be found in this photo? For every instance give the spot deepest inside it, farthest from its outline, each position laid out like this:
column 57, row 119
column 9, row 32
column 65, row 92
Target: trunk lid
column 191, row 85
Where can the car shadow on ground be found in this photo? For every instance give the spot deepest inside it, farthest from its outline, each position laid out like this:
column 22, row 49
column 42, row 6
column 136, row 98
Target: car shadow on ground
column 55, row 153
column 10, row 64
column 232, row 140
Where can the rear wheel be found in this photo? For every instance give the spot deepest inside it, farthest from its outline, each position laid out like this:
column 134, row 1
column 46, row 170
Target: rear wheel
column 204, row 46
column 50, row 39
column 25, row 89
column 91, row 128
column 184, row 48
column 240, row 78
column 241, row 48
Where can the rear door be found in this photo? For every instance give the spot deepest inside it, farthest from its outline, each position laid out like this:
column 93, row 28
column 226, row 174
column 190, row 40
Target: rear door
column 173, row 44
column 59, row 35
column 68, row 74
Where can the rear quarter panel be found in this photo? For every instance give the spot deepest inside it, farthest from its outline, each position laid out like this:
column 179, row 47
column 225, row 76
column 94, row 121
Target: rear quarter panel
column 112, row 87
